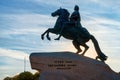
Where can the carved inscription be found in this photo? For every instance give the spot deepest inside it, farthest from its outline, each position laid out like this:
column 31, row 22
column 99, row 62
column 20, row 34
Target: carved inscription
column 62, row 64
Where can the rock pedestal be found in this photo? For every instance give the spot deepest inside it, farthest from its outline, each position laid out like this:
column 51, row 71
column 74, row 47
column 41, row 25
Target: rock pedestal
column 70, row 66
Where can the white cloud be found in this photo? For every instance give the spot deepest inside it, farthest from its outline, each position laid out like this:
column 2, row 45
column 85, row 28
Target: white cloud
column 107, row 2
column 100, row 21
column 13, row 53
column 52, row 2
column 25, row 24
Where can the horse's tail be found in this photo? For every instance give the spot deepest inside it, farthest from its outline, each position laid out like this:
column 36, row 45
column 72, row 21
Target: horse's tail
column 101, row 55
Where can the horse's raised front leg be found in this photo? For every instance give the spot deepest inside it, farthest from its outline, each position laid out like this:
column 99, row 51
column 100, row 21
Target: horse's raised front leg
column 48, row 37
column 86, row 48
column 42, row 36
column 52, row 30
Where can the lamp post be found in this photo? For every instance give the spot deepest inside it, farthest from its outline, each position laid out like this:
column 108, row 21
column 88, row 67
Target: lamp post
column 24, row 64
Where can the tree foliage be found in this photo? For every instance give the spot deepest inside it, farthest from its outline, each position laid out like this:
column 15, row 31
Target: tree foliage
column 7, row 78
column 24, row 76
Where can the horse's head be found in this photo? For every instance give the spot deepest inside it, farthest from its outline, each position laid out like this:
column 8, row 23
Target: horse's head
column 60, row 12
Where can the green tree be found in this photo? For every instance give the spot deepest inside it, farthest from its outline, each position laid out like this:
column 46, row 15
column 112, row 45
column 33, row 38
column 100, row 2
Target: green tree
column 25, row 76
column 7, row 78
column 36, row 76
column 15, row 77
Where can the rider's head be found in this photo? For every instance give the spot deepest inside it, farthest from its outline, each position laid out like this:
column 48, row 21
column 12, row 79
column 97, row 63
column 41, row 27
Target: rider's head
column 76, row 7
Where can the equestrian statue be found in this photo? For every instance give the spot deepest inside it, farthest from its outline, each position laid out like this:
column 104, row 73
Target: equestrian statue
column 71, row 28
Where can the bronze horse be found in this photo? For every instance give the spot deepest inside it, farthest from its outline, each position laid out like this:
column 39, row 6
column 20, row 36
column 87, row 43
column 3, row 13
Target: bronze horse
column 79, row 35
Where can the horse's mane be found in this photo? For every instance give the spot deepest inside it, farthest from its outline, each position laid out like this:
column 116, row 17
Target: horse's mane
column 66, row 12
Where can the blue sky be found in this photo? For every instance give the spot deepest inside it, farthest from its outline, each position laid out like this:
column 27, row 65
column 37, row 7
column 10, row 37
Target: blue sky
column 23, row 21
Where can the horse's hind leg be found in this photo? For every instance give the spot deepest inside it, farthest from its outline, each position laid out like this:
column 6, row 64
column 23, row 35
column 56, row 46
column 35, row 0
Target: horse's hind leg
column 101, row 58
column 77, row 46
column 86, row 48
column 97, row 57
